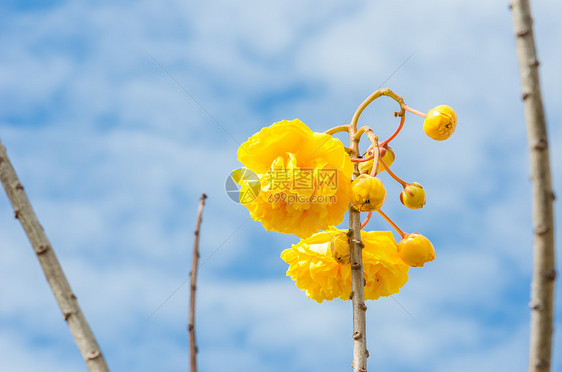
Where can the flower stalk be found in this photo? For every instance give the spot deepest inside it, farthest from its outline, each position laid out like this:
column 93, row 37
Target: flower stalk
column 398, row 179
column 398, row 230
column 414, row 111
column 386, row 141
column 367, row 219
column 338, row 129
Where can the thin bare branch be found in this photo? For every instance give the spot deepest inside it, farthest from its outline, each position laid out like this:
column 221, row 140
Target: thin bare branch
column 72, row 314
column 544, row 274
column 193, row 280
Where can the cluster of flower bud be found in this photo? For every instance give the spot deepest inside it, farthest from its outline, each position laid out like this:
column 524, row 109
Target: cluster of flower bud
column 368, row 194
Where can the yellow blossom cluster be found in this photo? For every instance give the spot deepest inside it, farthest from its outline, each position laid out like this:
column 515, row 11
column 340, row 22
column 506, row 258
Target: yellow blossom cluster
column 316, row 271
column 297, row 181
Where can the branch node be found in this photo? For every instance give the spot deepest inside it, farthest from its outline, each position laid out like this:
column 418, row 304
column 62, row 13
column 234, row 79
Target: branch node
column 523, row 32
column 17, row 213
column 363, row 307
column 541, row 229
column 534, row 63
column 541, row 363
column 357, row 336
column 66, row 315
column 18, row 186
column 93, row 354
column 540, row 144
column 525, row 95
column 358, row 242
column 42, row 249
column 351, row 295
column 190, row 327
column 551, row 275
column 535, row 306
column 355, row 266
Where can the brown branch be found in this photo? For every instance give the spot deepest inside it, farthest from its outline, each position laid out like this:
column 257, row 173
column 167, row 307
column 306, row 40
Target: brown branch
column 193, row 281
column 544, row 274
column 68, row 304
column 357, row 295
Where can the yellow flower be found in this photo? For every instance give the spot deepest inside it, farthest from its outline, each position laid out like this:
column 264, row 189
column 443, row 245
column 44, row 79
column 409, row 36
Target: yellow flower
column 367, row 193
column 367, row 166
column 314, row 268
column 415, row 250
column 440, row 122
column 304, row 177
column 413, row 196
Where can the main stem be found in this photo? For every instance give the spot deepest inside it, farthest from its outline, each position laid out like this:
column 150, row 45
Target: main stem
column 544, row 274
column 72, row 314
column 193, row 280
column 357, row 277
column 357, row 296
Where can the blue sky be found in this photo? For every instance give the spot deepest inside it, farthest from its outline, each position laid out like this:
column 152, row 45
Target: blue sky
column 114, row 155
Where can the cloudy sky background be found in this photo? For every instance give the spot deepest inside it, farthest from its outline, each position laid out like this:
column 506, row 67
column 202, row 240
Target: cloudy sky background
column 114, row 155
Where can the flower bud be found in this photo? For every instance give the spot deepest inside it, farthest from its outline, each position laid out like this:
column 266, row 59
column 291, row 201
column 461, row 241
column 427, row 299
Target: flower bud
column 367, row 193
column 415, row 250
column 387, row 156
column 413, row 196
column 440, row 122
column 339, row 245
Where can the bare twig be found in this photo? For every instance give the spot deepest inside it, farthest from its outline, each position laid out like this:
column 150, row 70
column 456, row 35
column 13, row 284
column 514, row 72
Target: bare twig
column 68, row 304
column 193, row 280
column 544, row 274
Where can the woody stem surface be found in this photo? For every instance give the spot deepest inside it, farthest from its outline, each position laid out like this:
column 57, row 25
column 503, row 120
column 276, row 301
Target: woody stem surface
column 544, row 271
column 356, row 260
column 72, row 314
column 193, row 288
